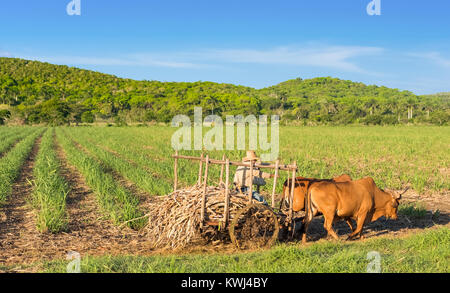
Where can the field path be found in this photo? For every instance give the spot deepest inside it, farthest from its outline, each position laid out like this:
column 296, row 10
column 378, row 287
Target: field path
column 19, row 218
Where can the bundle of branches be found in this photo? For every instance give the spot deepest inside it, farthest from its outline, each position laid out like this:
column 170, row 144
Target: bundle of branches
column 174, row 220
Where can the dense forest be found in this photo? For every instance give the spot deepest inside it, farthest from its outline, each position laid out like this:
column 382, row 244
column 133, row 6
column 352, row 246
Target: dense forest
column 33, row 92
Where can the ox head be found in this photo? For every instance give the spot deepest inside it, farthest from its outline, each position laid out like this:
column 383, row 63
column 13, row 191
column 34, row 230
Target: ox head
column 392, row 205
column 300, row 185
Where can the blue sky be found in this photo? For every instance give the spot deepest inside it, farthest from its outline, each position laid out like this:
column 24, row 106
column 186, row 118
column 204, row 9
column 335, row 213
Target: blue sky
column 246, row 42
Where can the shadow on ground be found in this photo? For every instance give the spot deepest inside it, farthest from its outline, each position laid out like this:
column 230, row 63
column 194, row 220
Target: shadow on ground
column 382, row 226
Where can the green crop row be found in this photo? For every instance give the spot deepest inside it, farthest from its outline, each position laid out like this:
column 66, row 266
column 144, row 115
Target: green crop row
column 131, row 172
column 50, row 188
column 11, row 163
column 393, row 156
column 7, row 130
column 116, row 202
column 12, row 137
column 150, row 151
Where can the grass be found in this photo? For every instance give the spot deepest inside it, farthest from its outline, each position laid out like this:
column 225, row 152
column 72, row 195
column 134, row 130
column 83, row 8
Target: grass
column 141, row 178
column 419, row 253
column 413, row 210
column 13, row 135
column 11, row 163
column 50, row 189
column 393, row 156
column 115, row 201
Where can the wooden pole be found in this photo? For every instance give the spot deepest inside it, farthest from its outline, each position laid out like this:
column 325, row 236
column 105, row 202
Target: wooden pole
column 175, row 172
column 258, row 188
column 205, row 184
column 250, row 190
column 200, row 169
column 291, row 196
column 277, row 163
column 219, row 162
column 227, row 193
column 221, row 170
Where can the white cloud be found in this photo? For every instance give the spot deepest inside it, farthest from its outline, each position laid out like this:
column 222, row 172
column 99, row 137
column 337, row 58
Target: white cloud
column 337, row 57
column 129, row 60
column 433, row 56
column 5, row 54
column 334, row 57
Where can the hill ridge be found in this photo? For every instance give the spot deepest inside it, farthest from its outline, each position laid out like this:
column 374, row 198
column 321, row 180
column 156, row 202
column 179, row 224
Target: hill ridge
column 40, row 92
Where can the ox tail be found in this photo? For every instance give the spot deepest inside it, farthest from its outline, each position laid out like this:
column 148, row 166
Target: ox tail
column 308, row 215
column 308, row 206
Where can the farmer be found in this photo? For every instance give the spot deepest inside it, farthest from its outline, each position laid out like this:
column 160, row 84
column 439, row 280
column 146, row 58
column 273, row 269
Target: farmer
column 242, row 177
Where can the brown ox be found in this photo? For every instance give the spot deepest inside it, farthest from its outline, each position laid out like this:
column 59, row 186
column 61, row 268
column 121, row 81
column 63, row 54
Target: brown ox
column 360, row 200
column 301, row 187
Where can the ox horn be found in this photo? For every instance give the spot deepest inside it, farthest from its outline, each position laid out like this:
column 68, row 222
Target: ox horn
column 399, row 195
column 406, row 189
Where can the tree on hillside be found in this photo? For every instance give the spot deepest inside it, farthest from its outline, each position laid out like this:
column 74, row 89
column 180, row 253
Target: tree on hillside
column 28, row 86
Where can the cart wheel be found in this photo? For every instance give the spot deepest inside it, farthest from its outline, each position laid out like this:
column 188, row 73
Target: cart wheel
column 254, row 226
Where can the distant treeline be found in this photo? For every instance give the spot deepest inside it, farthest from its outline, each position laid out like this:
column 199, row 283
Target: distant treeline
column 33, row 92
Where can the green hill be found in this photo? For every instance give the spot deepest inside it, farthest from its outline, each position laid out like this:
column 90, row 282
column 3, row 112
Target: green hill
column 36, row 92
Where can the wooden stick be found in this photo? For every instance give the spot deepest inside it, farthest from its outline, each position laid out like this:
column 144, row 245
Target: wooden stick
column 205, row 184
column 250, row 190
column 221, row 170
column 220, row 162
column 175, row 171
column 199, row 170
column 291, row 196
column 277, row 163
column 258, row 188
column 227, row 193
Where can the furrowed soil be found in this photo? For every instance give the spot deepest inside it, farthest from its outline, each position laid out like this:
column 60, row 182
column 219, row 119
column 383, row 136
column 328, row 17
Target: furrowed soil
column 144, row 197
column 88, row 233
column 18, row 219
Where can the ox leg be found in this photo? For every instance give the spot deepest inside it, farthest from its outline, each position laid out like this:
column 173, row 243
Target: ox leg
column 305, row 230
column 359, row 227
column 328, row 225
column 350, row 224
column 306, row 221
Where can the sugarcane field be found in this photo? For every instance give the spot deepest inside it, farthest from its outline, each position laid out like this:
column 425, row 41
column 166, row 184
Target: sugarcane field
column 107, row 192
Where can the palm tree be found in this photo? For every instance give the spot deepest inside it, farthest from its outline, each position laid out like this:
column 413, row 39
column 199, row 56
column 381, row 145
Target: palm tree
column 411, row 103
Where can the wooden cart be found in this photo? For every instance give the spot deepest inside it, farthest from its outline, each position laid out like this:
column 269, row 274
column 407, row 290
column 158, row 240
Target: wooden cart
column 255, row 225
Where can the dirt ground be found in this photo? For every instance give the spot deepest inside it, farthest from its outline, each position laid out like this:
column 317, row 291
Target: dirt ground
column 90, row 234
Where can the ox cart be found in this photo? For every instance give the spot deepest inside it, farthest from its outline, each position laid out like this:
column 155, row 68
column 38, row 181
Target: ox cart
column 252, row 225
